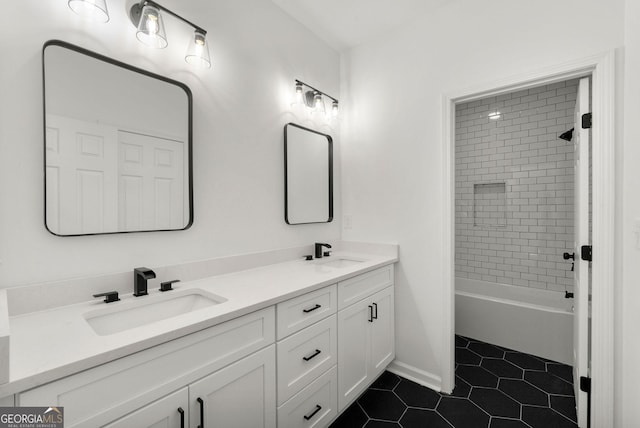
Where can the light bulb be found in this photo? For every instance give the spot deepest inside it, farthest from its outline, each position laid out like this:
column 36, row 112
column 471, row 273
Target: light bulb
column 95, row 10
column 334, row 108
column 318, row 103
column 198, row 51
column 298, row 96
column 151, row 28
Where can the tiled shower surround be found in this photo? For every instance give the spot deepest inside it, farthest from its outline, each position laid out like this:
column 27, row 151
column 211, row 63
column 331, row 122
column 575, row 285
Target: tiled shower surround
column 514, row 187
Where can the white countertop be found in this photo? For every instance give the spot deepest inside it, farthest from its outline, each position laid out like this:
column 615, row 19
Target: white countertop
column 58, row 342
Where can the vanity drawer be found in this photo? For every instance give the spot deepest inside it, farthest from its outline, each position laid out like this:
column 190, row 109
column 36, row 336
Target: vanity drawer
column 302, row 311
column 102, row 394
column 314, row 406
column 304, row 356
column 357, row 288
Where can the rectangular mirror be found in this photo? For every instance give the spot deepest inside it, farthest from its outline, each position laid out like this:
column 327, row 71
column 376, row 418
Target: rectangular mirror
column 308, row 158
column 117, row 146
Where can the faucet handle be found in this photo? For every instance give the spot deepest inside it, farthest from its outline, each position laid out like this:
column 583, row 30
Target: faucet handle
column 166, row 286
column 109, row 296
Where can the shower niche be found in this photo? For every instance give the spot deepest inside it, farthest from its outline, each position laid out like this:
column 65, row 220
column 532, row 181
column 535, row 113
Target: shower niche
column 489, row 205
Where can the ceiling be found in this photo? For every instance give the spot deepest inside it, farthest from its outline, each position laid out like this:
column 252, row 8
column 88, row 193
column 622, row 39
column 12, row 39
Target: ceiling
column 344, row 24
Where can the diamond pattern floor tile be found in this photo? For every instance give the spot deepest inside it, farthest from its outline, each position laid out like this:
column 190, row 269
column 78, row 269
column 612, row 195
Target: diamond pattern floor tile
column 495, row 388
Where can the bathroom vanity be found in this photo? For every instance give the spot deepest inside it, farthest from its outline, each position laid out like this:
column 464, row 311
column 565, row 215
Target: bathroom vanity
column 288, row 344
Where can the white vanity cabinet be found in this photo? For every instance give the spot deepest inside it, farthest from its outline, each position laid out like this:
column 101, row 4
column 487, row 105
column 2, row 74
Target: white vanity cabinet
column 306, row 359
column 220, row 364
column 365, row 331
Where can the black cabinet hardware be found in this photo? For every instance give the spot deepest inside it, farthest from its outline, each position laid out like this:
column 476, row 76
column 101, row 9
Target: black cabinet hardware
column 370, row 313
column 317, row 306
column 312, row 356
column 109, row 296
column 312, row 414
column 167, row 285
column 181, row 411
column 568, row 256
column 586, row 252
column 199, row 400
column 375, row 316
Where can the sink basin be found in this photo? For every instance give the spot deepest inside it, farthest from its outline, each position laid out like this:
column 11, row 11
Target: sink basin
column 338, row 262
column 146, row 310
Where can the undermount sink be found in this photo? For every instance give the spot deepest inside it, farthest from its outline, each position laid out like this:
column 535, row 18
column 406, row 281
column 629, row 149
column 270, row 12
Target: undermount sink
column 149, row 309
column 338, row 262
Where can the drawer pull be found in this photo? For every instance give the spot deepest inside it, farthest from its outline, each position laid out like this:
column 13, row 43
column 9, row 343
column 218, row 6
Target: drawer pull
column 375, row 306
column 317, row 306
column 312, row 414
column 312, row 356
column 370, row 313
column 181, row 411
column 199, row 400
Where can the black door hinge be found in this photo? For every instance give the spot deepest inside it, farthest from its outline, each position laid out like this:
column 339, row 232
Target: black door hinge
column 586, row 252
column 585, row 384
column 586, row 121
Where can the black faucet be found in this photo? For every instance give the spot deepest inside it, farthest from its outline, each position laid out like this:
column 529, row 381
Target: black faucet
column 319, row 246
column 140, row 277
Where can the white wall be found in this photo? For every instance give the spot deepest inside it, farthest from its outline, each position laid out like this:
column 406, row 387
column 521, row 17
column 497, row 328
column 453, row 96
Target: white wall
column 628, row 326
column 392, row 181
column 240, row 108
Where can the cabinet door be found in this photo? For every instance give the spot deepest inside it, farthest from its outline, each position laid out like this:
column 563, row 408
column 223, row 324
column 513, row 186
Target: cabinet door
column 240, row 395
column 353, row 351
column 382, row 331
column 162, row 413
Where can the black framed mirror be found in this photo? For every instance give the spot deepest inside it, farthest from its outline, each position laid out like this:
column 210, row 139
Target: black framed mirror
column 308, row 159
column 118, row 146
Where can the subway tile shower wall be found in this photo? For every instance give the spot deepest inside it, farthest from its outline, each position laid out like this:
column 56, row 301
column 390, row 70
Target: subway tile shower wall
column 514, row 187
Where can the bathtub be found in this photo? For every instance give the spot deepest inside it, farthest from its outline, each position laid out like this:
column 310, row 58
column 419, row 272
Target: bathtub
column 538, row 322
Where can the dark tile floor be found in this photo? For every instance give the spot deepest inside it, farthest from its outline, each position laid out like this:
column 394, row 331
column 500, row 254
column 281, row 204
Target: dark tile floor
column 495, row 388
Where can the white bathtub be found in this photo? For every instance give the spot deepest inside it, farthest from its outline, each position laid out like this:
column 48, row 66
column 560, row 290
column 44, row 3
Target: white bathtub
column 538, row 322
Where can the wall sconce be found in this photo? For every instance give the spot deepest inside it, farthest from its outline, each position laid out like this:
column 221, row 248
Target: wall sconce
column 150, row 31
column 147, row 19
column 95, row 10
column 313, row 99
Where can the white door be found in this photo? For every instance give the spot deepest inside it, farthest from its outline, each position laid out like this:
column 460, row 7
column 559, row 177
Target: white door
column 382, row 337
column 354, row 351
column 81, row 171
column 240, row 395
column 167, row 412
column 151, row 182
column 581, row 267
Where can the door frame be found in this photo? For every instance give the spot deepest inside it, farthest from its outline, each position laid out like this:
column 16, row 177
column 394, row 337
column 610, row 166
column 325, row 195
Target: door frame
column 601, row 69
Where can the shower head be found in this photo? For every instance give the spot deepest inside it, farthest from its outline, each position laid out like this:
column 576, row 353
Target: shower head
column 567, row 136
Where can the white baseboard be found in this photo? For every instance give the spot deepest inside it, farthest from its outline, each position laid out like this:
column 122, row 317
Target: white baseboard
column 419, row 376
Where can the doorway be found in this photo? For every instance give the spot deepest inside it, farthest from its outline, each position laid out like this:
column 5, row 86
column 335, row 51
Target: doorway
column 601, row 71
column 520, row 178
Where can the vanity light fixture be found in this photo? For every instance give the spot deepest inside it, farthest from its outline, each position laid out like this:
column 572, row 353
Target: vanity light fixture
column 495, row 115
column 95, row 10
column 314, row 99
column 147, row 18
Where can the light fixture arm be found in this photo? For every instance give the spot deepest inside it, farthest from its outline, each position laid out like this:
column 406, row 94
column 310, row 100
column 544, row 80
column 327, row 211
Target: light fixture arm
column 136, row 12
column 316, row 90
